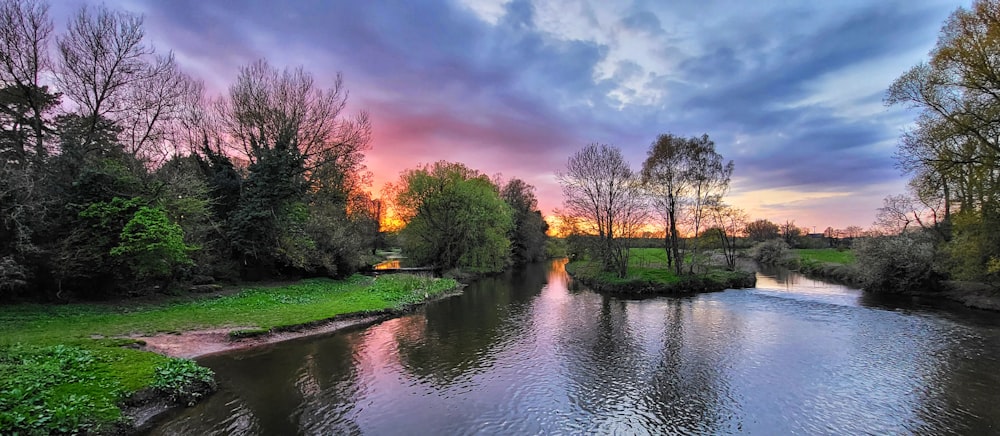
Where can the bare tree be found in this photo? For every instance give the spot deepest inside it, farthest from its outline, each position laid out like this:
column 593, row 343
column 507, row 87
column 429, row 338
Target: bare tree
column 731, row 223
column 684, row 175
column 268, row 108
column 605, row 196
column 157, row 101
column 789, row 232
column 25, row 31
column 101, row 54
column 120, row 84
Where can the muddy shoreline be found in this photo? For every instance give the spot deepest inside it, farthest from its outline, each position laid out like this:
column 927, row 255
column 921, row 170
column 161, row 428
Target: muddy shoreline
column 144, row 408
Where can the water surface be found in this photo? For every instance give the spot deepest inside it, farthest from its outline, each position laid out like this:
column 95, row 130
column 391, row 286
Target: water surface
column 524, row 353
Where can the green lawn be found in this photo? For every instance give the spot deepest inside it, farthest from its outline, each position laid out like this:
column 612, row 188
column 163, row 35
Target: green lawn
column 826, row 255
column 644, row 264
column 649, row 266
column 56, row 377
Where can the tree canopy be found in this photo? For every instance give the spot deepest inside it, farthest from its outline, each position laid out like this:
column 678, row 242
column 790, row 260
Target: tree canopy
column 455, row 218
column 953, row 149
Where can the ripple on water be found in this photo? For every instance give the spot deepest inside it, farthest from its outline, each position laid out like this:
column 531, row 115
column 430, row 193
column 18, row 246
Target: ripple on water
column 504, row 360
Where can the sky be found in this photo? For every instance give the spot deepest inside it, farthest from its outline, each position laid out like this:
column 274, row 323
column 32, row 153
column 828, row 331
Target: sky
column 790, row 91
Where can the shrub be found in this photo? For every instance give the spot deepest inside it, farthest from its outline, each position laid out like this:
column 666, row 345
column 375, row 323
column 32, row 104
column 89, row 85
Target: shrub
column 897, row 263
column 183, row 380
column 772, row 252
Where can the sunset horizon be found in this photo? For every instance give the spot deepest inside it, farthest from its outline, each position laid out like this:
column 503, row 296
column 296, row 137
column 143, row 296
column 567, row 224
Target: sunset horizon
column 791, row 94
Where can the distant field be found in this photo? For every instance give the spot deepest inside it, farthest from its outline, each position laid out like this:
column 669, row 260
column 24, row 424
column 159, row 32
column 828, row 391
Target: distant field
column 826, row 255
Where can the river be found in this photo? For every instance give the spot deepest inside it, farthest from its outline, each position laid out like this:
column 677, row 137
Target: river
column 525, row 353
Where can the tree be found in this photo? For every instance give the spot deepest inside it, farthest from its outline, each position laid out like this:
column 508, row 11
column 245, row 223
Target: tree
column 269, row 108
column 684, row 173
column 25, row 32
column 761, row 230
column 111, row 74
column 454, row 218
column 605, row 195
column 528, row 237
column 953, row 150
column 305, row 175
column 729, row 223
column 831, row 235
column 789, row 233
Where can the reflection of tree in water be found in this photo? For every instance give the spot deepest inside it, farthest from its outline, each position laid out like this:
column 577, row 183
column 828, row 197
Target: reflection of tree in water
column 461, row 336
column 625, row 376
column 689, row 391
column 291, row 388
column 781, row 275
column 604, row 369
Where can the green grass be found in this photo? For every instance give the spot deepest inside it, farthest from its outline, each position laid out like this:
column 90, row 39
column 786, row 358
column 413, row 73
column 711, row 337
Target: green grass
column 826, row 255
column 646, row 264
column 54, row 377
column 648, row 273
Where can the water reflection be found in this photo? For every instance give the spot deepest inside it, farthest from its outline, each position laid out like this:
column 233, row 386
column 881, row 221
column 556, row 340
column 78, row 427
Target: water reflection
column 520, row 354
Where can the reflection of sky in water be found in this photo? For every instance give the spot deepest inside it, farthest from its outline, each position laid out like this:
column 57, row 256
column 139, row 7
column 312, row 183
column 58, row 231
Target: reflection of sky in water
column 521, row 354
column 786, row 284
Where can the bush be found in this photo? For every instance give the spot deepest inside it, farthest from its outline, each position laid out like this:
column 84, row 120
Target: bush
column 183, row 380
column 556, row 248
column 772, row 252
column 897, row 263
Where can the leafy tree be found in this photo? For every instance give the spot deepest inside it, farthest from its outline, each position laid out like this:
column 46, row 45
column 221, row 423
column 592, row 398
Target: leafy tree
column 267, row 228
column 604, row 198
column 304, row 176
column 761, row 230
column 454, row 218
column 896, row 263
column 152, row 244
column 528, row 239
column 953, row 150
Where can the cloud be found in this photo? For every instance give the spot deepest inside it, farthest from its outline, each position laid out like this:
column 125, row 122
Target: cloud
column 790, row 92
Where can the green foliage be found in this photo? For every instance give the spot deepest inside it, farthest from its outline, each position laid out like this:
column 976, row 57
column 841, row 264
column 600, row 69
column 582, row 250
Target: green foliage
column 528, row 238
column 826, row 255
column 267, row 226
column 762, row 230
column 153, row 245
column 183, row 380
column 455, row 218
column 556, row 248
column 973, row 253
column 57, row 389
column 952, row 150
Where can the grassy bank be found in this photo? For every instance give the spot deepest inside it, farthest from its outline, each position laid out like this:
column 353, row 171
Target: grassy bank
column 648, row 274
column 66, row 368
column 827, row 264
column 825, row 255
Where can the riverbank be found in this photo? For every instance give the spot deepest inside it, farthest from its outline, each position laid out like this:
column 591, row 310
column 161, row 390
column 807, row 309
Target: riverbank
column 75, row 368
column 839, row 266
